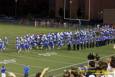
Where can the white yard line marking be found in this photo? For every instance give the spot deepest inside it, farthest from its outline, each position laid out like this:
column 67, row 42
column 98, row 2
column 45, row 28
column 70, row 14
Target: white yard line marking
column 45, row 60
column 15, row 73
column 75, row 64
column 66, row 66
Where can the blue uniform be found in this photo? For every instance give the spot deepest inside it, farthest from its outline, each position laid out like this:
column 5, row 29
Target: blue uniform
column 1, row 44
column 60, row 43
column 51, row 44
column 26, row 71
column 45, row 43
column 26, row 45
column 3, row 69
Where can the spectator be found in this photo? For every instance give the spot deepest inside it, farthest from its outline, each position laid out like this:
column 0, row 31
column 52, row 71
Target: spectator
column 66, row 73
column 26, row 71
column 3, row 71
column 91, row 56
column 97, row 57
column 112, row 63
column 42, row 73
column 38, row 74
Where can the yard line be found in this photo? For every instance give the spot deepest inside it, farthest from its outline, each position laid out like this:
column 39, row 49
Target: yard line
column 30, row 65
column 15, row 73
column 61, row 56
column 42, row 59
column 16, row 63
column 76, row 64
column 67, row 66
column 61, row 68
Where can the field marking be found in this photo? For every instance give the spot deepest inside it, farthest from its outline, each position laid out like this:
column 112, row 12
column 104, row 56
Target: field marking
column 13, row 61
column 75, row 64
column 44, row 60
column 31, row 65
column 24, row 64
column 7, row 61
column 15, row 73
column 66, row 66
column 63, row 57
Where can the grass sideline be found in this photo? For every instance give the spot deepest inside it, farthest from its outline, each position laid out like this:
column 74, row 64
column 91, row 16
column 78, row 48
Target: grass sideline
column 37, row 62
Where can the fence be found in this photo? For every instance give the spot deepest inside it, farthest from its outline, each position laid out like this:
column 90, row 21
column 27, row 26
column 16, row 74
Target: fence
column 45, row 23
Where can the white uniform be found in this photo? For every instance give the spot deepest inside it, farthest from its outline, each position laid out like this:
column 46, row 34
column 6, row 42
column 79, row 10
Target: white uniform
column 3, row 74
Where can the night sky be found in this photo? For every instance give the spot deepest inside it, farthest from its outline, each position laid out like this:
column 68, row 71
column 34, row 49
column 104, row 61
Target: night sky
column 24, row 7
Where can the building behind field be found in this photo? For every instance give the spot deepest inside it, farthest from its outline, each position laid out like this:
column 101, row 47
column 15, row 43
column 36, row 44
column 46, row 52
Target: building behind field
column 109, row 16
column 55, row 8
column 80, row 8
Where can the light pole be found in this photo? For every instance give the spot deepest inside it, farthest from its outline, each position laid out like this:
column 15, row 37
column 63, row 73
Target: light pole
column 16, row 7
column 64, row 8
column 70, row 7
column 89, row 13
column 70, row 2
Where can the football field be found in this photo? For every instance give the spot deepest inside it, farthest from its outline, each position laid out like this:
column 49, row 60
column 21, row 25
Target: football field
column 57, row 60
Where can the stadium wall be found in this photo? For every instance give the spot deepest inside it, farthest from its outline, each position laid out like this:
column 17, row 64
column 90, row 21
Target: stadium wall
column 96, row 10
column 109, row 16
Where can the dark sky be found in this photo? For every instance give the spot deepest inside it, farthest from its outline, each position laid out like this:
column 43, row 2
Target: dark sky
column 24, row 7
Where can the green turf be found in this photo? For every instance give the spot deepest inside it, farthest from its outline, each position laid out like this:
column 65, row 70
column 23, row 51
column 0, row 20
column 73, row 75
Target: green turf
column 62, row 59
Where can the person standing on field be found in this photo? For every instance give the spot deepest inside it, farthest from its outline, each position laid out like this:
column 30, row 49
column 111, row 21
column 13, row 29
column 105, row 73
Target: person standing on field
column 3, row 71
column 26, row 71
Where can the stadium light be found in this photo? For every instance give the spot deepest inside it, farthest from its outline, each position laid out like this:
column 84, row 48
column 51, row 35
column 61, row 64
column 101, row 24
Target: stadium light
column 16, row 1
